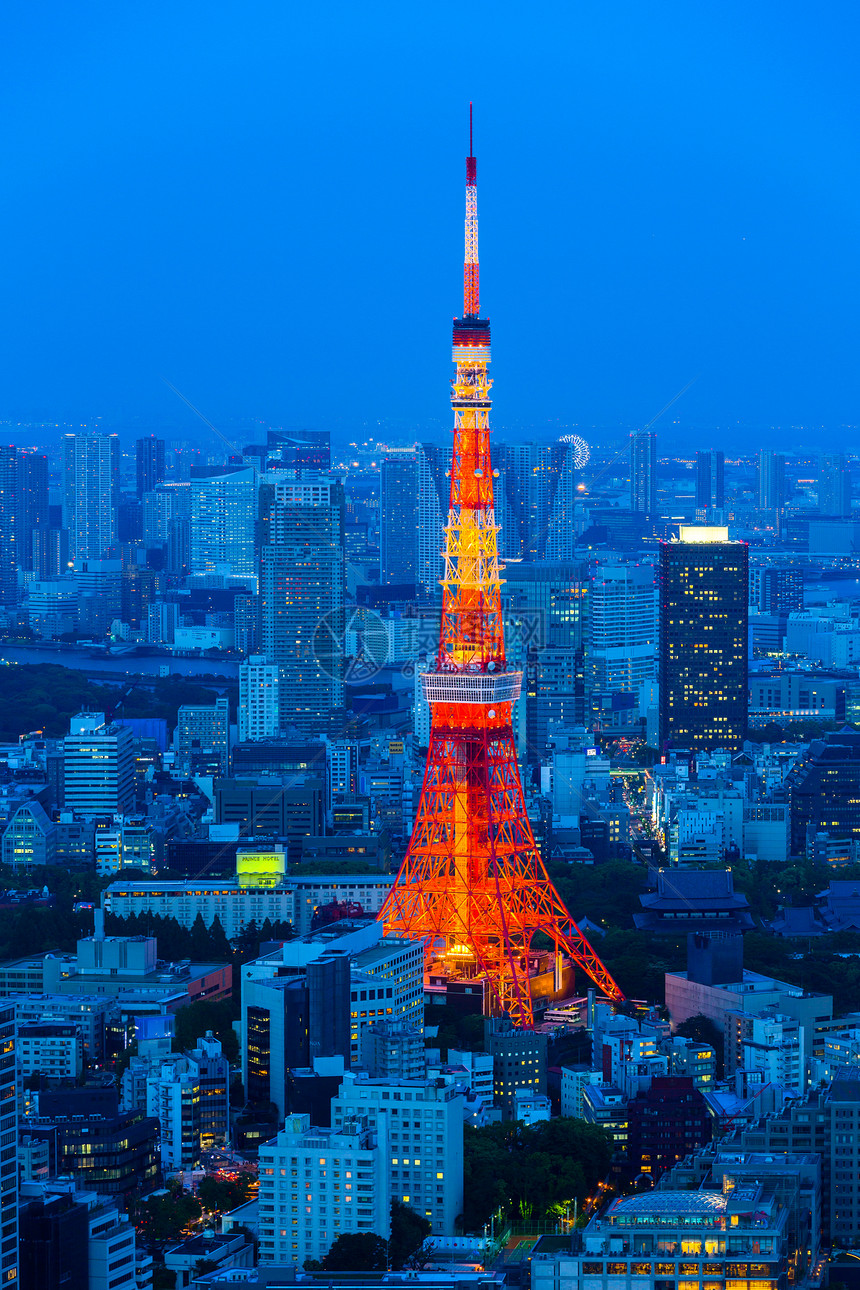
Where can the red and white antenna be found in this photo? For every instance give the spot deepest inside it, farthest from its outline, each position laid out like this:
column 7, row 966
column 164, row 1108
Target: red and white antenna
column 471, row 295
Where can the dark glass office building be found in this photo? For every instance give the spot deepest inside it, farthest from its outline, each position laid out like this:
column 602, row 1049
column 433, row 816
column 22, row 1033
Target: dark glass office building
column 703, row 640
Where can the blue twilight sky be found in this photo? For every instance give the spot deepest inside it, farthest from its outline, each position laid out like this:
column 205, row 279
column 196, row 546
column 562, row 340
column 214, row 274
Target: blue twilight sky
column 262, row 202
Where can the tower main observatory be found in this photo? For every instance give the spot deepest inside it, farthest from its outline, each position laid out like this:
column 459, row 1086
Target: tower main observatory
column 472, row 885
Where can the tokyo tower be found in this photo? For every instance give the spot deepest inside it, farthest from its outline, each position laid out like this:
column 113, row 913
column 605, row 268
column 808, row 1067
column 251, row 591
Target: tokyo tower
column 472, row 885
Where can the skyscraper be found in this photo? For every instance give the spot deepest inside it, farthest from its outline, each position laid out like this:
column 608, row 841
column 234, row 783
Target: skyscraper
column 622, row 652
column 398, row 518
column 223, row 525
column 534, row 500
column 302, row 571
column 150, row 464
column 771, row 480
column 91, row 494
column 8, row 525
column 432, row 488
column 834, row 485
column 703, row 640
column 32, row 502
column 710, row 476
column 643, row 472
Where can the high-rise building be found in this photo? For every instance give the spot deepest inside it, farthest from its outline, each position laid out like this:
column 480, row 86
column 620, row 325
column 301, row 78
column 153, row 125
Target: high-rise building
column 98, row 766
column 150, row 464
column 622, row 648
column 398, row 518
column 780, row 590
column 834, row 485
column 432, row 489
column 259, row 699
column 91, row 494
column 703, row 640
column 32, row 503
column 223, row 522
column 9, row 534
column 202, row 735
column 710, row 480
column 643, row 472
column 771, row 480
column 534, row 500
column 302, row 592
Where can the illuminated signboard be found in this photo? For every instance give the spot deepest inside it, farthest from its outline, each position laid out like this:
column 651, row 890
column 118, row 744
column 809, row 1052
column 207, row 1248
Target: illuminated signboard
column 260, row 868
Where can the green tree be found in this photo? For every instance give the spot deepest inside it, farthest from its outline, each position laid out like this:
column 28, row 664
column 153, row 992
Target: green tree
column 196, row 1018
column 357, row 1252
column 163, row 1218
column 409, row 1231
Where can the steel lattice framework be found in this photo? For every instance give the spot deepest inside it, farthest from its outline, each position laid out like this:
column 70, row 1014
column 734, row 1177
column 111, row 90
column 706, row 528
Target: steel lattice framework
column 472, row 885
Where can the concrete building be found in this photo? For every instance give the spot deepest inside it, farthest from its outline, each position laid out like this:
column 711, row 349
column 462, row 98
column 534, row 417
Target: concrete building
column 98, row 766
column 519, row 1061
column 91, row 494
column 30, row 838
column 202, row 737
column 389, row 1051
column 230, row 900
column 50, row 1048
column 9, row 1095
column 259, row 699
column 622, row 625
column 316, row 1184
column 424, row 1135
column 223, row 518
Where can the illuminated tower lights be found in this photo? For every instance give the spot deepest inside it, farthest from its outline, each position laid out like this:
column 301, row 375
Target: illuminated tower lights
column 472, row 885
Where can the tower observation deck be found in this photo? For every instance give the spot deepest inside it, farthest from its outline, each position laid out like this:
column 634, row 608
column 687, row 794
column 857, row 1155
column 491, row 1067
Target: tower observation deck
column 472, row 885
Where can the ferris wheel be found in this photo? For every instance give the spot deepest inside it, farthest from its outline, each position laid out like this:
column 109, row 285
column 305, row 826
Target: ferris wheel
column 581, row 450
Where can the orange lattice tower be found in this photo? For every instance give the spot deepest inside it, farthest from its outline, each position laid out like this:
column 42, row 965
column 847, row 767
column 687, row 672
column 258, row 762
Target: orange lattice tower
column 472, row 885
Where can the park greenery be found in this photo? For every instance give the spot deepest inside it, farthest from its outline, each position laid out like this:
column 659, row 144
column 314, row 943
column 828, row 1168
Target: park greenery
column 44, row 696
column 527, row 1171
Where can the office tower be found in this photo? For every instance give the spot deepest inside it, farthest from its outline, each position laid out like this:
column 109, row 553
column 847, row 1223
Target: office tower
column 534, row 500
column 98, row 766
column 106, row 1150
column 223, row 521
column 425, row 1117
column 703, row 640
column 8, row 526
column 50, row 552
column 288, row 1023
column 643, row 472
column 140, row 588
column 158, row 511
column 472, row 886
column 824, row 789
column 341, row 771
column 302, row 590
column 398, row 518
column 32, row 503
column 519, row 1061
column 150, row 464
column 304, row 451
column 246, row 624
column 202, row 737
column 179, row 546
column 780, row 590
column 560, row 538
column 317, row 1184
column 9, row 1098
column 622, row 647
column 834, row 485
column 259, row 699
column 433, row 488
column 771, row 480
column 710, row 477
column 91, row 494
column 100, row 585
column 666, row 1121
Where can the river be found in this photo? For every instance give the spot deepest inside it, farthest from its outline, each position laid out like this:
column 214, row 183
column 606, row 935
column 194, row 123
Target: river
column 122, row 665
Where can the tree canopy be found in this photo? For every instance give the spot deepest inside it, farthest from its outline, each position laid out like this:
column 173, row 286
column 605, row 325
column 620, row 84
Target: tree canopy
column 526, row 1169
